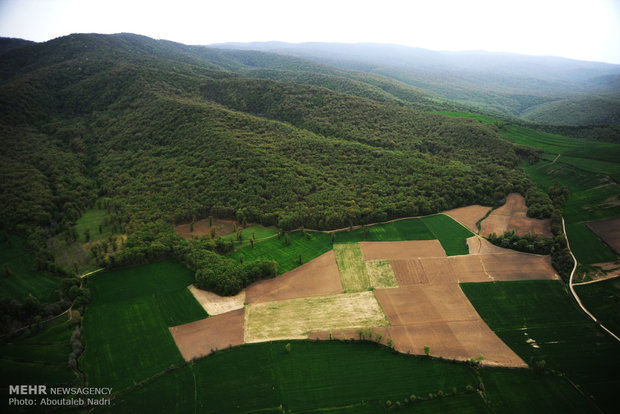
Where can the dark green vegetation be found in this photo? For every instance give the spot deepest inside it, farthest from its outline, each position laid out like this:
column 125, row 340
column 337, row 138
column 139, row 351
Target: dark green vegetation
column 450, row 234
column 602, row 299
column 125, row 330
column 540, row 322
column 38, row 356
column 19, row 279
column 174, row 132
column 339, row 377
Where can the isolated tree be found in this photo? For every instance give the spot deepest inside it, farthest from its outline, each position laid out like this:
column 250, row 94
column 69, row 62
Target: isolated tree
column 213, row 232
column 288, row 347
column 252, row 242
column 389, row 342
column 427, row 350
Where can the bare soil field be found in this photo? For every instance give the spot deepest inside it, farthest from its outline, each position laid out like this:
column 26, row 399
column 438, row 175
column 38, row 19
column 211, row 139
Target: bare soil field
column 441, row 317
column 513, row 216
column 608, row 230
column 295, row 318
column 394, row 250
column 478, row 245
column 215, row 304
column 199, row 338
column 201, row 228
column 468, row 216
column 318, row 277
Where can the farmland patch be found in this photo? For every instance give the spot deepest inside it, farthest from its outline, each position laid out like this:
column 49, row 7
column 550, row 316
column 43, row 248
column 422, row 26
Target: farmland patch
column 513, row 216
column 294, row 318
column 469, row 216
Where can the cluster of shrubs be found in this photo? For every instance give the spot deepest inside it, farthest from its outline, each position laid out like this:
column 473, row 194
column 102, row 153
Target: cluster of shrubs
column 76, row 347
column 431, row 396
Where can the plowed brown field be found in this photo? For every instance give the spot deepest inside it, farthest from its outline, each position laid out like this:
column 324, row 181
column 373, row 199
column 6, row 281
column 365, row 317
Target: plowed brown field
column 513, row 216
column 394, row 250
column 608, row 230
column 200, row 338
column 468, row 216
column 318, row 277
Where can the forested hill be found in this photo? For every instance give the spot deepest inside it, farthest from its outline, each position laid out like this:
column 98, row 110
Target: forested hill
column 161, row 130
column 540, row 89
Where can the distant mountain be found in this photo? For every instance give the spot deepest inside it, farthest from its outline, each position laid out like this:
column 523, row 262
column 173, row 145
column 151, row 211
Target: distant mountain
column 509, row 84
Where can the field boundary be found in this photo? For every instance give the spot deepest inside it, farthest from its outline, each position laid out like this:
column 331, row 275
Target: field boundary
column 574, row 293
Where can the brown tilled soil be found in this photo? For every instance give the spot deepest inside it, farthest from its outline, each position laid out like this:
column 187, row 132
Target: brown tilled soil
column 441, row 317
column 196, row 339
column 394, row 250
column 468, row 216
column 513, row 216
column 608, row 230
column 523, row 266
column 318, row 277
column 215, row 304
column 201, row 228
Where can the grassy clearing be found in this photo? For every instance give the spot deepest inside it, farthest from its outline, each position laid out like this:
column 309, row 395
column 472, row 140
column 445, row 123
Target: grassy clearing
column 24, row 281
column 309, row 245
column 93, row 220
column 597, row 166
column 450, row 234
column 381, row 274
column 257, row 231
column 294, row 318
column 539, row 321
column 351, row 267
column 126, row 324
column 603, row 300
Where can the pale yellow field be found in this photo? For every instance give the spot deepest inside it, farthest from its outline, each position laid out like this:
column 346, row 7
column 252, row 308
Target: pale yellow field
column 294, row 318
column 381, row 274
column 351, row 267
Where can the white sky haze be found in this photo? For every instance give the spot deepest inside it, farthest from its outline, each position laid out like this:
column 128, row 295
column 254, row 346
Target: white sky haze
column 578, row 29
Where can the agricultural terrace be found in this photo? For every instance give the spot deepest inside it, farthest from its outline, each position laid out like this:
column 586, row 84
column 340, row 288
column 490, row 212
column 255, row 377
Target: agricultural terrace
column 540, row 322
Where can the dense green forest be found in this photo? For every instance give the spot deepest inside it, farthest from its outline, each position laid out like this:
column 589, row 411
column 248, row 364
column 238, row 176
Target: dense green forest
column 153, row 133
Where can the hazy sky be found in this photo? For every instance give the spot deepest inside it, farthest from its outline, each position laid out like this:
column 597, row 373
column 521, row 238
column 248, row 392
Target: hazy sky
column 580, row 29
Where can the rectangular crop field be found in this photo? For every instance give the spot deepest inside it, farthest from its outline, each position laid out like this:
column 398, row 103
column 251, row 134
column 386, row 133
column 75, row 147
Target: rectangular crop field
column 587, row 246
column 539, row 321
column 126, row 324
column 603, row 300
column 450, row 234
column 294, row 318
column 400, row 230
column 351, row 267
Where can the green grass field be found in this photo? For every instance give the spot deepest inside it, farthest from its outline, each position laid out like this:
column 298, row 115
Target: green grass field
column 312, row 244
column 24, row 281
column 450, row 234
column 342, row 378
column 539, row 321
column 587, row 246
column 603, row 300
column 309, row 245
column 126, row 324
column 92, row 219
column 545, row 175
column 259, row 232
column 39, row 357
